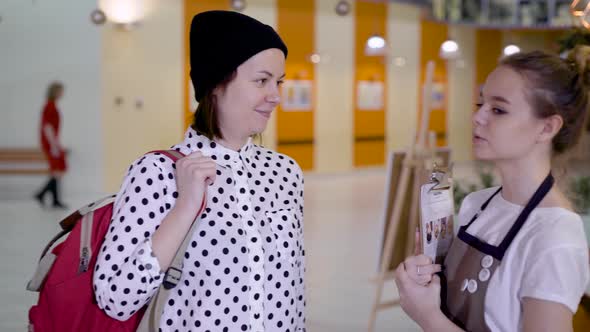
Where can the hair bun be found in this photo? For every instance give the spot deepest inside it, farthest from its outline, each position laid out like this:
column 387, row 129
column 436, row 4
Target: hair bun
column 580, row 58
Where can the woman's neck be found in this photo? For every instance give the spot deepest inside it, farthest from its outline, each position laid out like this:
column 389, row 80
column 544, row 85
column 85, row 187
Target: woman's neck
column 522, row 177
column 233, row 142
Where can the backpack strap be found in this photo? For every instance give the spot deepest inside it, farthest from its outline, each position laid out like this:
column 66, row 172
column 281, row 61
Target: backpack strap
column 86, row 216
column 174, row 155
column 150, row 321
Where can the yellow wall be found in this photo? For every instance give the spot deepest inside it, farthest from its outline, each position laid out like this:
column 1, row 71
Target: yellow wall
column 145, row 63
column 369, row 126
column 265, row 11
column 530, row 40
column 403, row 67
column 151, row 63
column 488, row 48
column 295, row 129
column 461, row 77
column 334, row 77
column 432, row 36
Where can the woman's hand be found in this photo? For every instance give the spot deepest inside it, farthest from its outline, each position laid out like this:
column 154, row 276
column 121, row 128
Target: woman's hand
column 419, row 287
column 419, row 267
column 193, row 174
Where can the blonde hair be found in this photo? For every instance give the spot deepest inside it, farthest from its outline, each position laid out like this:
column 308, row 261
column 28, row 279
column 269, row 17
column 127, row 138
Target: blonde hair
column 557, row 87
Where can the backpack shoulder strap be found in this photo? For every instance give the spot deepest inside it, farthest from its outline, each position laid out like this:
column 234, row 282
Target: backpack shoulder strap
column 151, row 318
column 174, row 155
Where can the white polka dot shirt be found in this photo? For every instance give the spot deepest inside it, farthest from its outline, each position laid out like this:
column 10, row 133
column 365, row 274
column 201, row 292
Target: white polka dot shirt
column 244, row 267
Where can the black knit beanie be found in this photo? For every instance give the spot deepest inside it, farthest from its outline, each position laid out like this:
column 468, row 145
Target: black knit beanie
column 220, row 41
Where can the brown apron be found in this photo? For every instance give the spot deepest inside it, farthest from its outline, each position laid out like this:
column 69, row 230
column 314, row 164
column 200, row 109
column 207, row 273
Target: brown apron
column 471, row 263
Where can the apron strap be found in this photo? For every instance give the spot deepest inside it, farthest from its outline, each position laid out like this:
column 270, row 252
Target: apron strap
column 483, row 207
column 499, row 251
column 531, row 205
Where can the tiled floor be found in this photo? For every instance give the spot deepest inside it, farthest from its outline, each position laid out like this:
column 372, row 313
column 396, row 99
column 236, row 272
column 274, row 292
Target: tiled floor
column 343, row 226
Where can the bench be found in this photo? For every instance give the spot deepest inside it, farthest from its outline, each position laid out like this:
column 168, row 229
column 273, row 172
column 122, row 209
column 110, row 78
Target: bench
column 22, row 161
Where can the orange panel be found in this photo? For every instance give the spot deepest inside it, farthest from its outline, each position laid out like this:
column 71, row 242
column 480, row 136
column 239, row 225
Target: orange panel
column 295, row 129
column 488, row 47
column 369, row 126
column 369, row 153
column 551, row 38
column 192, row 8
column 299, row 152
column 432, row 36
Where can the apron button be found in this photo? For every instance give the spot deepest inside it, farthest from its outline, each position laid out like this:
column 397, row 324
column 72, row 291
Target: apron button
column 484, row 275
column 487, row 261
column 464, row 285
column 472, row 286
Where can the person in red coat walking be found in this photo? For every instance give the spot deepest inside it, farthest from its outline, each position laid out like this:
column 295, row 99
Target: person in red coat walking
column 51, row 146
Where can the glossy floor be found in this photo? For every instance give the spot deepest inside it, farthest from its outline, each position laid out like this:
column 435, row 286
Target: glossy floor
column 342, row 228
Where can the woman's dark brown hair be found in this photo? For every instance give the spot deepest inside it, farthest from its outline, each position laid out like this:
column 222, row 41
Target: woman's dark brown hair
column 205, row 120
column 557, row 87
column 53, row 90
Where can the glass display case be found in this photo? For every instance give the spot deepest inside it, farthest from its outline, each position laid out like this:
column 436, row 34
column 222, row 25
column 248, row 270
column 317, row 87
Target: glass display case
column 540, row 14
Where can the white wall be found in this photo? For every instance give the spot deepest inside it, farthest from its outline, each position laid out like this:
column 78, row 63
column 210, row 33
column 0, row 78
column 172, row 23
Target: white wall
column 41, row 41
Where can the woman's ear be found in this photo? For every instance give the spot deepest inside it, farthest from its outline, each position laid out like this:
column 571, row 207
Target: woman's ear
column 215, row 92
column 551, row 126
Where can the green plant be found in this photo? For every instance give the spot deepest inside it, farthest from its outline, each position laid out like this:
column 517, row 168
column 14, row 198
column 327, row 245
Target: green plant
column 576, row 36
column 486, row 180
column 459, row 194
column 486, row 177
column 580, row 190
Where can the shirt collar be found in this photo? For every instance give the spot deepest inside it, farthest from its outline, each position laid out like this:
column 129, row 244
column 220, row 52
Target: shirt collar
column 223, row 156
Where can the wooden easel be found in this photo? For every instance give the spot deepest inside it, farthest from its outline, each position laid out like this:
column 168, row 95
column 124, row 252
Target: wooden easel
column 414, row 171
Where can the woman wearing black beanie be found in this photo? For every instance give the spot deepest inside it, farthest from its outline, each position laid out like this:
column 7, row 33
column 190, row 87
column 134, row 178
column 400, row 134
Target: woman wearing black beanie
column 244, row 267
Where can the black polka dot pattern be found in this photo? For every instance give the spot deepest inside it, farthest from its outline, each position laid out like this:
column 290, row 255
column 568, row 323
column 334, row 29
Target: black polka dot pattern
column 244, row 267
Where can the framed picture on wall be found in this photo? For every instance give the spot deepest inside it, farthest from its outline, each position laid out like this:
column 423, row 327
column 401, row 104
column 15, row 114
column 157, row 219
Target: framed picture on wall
column 296, row 95
column 369, row 95
column 437, row 98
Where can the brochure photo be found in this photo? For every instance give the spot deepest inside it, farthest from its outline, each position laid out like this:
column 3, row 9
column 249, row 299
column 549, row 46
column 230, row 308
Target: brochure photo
column 436, row 224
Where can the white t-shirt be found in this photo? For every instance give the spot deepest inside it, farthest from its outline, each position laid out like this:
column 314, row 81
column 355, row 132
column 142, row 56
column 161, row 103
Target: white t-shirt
column 548, row 259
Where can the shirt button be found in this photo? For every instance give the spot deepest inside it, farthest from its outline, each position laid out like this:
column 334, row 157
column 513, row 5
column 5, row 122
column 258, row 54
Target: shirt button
column 487, row 261
column 464, row 285
column 472, row 286
column 148, row 266
column 484, row 275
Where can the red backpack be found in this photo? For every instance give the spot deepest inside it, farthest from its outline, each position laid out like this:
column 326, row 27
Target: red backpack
column 64, row 275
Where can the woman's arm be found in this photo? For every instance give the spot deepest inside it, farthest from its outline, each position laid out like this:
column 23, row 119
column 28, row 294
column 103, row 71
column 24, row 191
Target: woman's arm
column 541, row 315
column 53, row 140
column 422, row 302
column 440, row 323
column 126, row 273
column 149, row 224
column 300, row 281
column 193, row 174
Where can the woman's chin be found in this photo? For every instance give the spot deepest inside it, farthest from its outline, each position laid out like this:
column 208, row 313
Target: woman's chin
column 257, row 131
column 482, row 155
